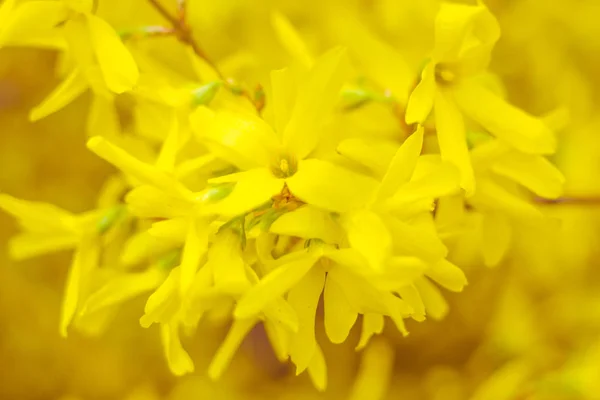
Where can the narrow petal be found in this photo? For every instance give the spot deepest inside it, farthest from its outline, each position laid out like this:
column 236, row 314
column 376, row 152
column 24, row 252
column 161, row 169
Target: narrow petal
column 27, row 245
column 196, row 245
column 308, row 222
column 122, row 288
column 162, row 305
column 103, row 119
column 274, row 285
column 238, row 331
column 400, row 272
column 30, row 19
column 420, row 102
column 493, row 195
column 330, row 187
column 140, row 170
column 279, row 338
column 178, row 359
column 66, row 92
column 372, row 325
column 84, row 262
column 523, row 131
column 435, row 304
column 453, row 140
column 402, row 166
column 149, row 202
column 284, row 87
column 317, row 370
column 362, row 296
column 410, row 294
column 118, row 67
column 243, row 139
column 496, row 237
column 253, row 188
column 375, row 372
column 447, row 275
column 369, row 236
column 226, row 262
column 375, row 155
column 38, row 217
column 316, row 100
column 304, row 298
column 534, row 172
column 416, row 240
column 291, row 40
column 339, row 314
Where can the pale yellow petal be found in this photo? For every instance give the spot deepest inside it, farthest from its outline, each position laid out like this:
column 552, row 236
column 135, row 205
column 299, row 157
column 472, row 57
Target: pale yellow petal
column 521, row 130
column 416, row 240
column 196, row 245
column 410, row 294
column 375, row 155
column 281, row 313
column 85, row 260
column 118, row 67
column 493, row 195
column 304, row 298
column 435, row 304
column 496, row 238
column 402, row 165
column 290, row 39
column 238, row 331
column 66, row 92
column 274, row 285
column 147, row 201
column 284, row 87
column 317, row 370
column 253, row 189
column 178, row 359
column 162, row 305
column 369, row 236
column 27, row 245
column 29, row 20
column 534, row 172
column 315, row 101
column 308, row 222
column 375, row 372
column 339, row 314
column 122, row 288
column 331, row 187
column 226, row 262
column 103, row 119
column 452, row 139
column 372, row 325
column 420, row 102
column 447, row 275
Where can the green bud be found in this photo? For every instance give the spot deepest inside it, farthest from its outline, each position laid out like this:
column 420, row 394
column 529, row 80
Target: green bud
column 109, row 218
column 204, row 94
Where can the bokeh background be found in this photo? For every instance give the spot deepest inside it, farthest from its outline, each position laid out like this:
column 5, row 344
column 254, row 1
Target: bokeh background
column 527, row 329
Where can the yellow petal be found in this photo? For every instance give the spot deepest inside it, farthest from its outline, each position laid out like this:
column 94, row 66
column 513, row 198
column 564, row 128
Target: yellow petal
column 122, row 288
column 85, row 260
column 452, row 139
column 375, row 372
column 317, row 370
column 315, row 101
column 447, row 275
column 339, row 314
column 496, row 237
column 304, row 298
column 233, row 340
column 253, row 188
column 66, row 92
column 435, row 304
column 442, row 181
column 163, row 303
column 283, row 315
column 416, row 240
column 283, row 83
column 149, row 202
column 26, row 245
column 140, row 170
column 29, row 20
column 521, row 130
column 308, row 222
column 196, row 245
column 372, row 325
column 534, row 172
column 274, row 285
column 38, row 217
column 279, row 338
column 402, row 166
column 369, row 236
column 410, row 294
column 331, row 187
column 103, row 119
column 173, row 230
column 226, row 262
column 291, row 40
column 400, row 272
column 420, row 102
column 493, row 195
column 118, row 67
column 375, row 155
column 243, row 139
column 178, row 359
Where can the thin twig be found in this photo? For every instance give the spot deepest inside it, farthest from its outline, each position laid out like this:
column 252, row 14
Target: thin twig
column 581, row 201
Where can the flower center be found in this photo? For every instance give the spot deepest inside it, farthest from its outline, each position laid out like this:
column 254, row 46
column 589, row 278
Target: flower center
column 444, row 74
column 284, row 167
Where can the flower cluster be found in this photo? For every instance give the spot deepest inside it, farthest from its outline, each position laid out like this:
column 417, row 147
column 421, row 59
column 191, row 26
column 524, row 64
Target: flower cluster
column 259, row 204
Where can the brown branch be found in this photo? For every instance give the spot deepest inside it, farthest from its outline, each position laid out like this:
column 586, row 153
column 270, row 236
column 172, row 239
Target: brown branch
column 578, row 201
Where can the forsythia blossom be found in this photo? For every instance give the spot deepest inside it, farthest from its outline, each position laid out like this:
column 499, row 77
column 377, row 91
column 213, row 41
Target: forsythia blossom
column 252, row 204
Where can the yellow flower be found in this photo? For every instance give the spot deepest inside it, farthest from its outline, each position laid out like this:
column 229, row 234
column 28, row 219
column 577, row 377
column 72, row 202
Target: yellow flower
column 465, row 36
column 102, row 62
